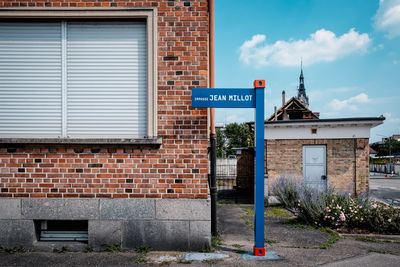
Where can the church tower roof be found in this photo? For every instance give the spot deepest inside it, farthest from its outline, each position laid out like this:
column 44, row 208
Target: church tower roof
column 301, row 94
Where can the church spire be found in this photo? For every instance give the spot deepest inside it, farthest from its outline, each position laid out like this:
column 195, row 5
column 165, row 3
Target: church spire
column 301, row 94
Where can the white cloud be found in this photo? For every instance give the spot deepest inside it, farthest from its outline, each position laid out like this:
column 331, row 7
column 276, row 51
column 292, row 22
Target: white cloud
column 351, row 103
column 387, row 18
column 326, row 92
column 322, row 46
column 390, row 118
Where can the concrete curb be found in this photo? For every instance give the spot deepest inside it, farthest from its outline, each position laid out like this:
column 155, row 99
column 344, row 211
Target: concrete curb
column 376, row 236
column 384, row 178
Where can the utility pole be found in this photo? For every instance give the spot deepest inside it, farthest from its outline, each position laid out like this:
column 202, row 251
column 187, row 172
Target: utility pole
column 390, row 155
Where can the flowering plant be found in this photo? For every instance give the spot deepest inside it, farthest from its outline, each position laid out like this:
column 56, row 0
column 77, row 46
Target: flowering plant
column 337, row 211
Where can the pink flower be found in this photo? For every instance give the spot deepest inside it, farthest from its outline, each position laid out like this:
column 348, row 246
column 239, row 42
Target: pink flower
column 342, row 217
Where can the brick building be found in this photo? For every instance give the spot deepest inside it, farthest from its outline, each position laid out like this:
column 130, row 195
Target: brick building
column 321, row 153
column 98, row 140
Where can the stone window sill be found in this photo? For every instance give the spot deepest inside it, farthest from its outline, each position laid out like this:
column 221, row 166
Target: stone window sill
column 153, row 141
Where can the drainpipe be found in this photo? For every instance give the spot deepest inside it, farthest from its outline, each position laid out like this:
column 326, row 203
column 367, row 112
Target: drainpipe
column 355, row 164
column 213, row 154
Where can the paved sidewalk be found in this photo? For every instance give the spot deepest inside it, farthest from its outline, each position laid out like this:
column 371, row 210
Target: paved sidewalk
column 386, row 190
column 299, row 245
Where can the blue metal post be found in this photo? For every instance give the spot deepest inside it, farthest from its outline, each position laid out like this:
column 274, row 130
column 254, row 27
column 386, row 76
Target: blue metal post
column 259, row 248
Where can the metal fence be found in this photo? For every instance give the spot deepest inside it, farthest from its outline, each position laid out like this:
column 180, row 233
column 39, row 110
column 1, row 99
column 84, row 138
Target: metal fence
column 388, row 168
column 235, row 178
column 226, row 177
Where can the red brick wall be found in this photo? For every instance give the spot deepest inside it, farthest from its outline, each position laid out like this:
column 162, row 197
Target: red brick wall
column 176, row 170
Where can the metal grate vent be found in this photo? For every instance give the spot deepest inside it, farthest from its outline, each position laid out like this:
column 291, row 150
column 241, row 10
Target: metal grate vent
column 62, row 230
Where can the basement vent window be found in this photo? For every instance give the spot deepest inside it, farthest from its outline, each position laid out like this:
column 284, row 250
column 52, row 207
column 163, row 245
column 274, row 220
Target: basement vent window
column 314, row 131
column 76, row 231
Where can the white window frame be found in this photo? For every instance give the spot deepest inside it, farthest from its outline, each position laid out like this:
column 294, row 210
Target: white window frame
column 149, row 14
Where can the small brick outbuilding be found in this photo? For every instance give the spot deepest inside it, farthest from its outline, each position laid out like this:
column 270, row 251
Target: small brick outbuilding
column 321, row 153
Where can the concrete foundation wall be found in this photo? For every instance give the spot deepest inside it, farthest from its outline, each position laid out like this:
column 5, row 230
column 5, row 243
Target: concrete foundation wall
column 162, row 224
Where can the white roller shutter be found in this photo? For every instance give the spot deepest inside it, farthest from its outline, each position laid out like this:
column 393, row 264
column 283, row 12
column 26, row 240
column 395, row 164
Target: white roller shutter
column 106, row 79
column 73, row 79
column 30, row 79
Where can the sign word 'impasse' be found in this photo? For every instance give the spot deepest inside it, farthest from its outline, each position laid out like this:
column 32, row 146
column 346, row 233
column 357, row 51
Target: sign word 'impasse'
column 223, row 98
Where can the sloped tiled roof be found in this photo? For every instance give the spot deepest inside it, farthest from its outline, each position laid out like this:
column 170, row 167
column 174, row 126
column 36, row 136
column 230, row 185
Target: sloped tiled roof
column 293, row 104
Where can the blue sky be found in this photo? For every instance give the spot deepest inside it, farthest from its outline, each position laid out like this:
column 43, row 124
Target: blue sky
column 350, row 51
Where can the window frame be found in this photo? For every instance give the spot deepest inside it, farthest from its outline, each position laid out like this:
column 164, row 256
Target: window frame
column 148, row 14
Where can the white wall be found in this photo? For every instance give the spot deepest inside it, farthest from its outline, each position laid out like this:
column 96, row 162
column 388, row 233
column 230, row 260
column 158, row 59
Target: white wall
column 323, row 132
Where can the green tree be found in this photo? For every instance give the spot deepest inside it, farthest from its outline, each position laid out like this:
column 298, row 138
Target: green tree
column 391, row 146
column 238, row 135
column 221, row 144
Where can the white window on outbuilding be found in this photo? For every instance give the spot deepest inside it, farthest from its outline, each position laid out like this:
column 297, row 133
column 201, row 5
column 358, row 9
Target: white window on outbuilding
column 76, row 79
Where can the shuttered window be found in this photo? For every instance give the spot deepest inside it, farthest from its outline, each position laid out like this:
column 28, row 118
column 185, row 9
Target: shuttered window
column 75, row 79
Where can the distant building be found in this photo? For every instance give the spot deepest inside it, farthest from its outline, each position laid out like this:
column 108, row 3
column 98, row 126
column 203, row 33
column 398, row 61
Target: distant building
column 392, row 138
column 372, row 153
column 321, row 153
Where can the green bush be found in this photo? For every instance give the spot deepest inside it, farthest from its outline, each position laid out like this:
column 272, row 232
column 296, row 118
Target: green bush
column 311, row 205
column 345, row 211
column 383, row 218
column 337, row 211
column 287, row 192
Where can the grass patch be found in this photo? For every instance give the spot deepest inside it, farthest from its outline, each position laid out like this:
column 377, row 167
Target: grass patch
column 277, row 212
column 184, row 262
column 112, row 248
column 367, row 239
column 374, row 240
column 249, row 211
column 142, row 249
column 12, row 250
column 270, row 241
column 88, row 249
column 62, row 250
column 205, row 250
column 210, row 262
column 379, row 251
column 141, row 256
column 248, row 216
column 237, row 246
column 239, row 249
column 333, row 237
column 298, row 224
column 216, row 241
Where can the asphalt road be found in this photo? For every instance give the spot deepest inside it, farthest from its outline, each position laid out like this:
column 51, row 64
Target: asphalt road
column 385, row 189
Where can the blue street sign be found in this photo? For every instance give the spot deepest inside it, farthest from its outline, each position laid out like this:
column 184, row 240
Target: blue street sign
column 244, row 98
column 223, row 98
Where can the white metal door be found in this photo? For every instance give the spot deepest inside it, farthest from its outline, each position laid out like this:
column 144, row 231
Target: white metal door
column 314, row 167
